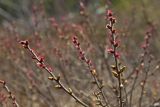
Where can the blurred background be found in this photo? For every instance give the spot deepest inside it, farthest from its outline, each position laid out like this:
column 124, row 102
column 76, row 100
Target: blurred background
column 49, row 26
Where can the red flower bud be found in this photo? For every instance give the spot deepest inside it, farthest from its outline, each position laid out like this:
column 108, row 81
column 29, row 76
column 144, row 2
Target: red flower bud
column 41, row 59
column 110, row 50
column 117, row 55
column 108, row 26
column 116, row 43
column 109, row 13
column 24, row 43
column 41, row 65
column 82, row 57
column 144, row 46
column 113, row 31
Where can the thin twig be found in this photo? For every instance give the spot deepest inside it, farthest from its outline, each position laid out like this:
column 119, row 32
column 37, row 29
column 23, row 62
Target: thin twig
column 41, row 63
column 92, row 71
column 11, row 96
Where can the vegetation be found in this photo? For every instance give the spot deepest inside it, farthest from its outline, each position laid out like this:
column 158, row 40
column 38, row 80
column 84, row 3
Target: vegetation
column 83, row 53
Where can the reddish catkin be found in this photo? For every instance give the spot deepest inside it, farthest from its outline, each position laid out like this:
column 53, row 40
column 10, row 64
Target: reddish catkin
column 117, row 71
column 11, row 96
column 93, row 72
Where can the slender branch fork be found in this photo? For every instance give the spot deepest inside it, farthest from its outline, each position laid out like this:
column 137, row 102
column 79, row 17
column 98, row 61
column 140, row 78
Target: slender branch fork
column 145, row 53
column 143, row 83
column 92, row 71
column 11, row 96
column 40, row 63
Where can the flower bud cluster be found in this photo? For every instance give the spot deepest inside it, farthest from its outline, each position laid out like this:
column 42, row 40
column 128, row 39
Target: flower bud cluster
column 81, row 52
column 113, row 38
